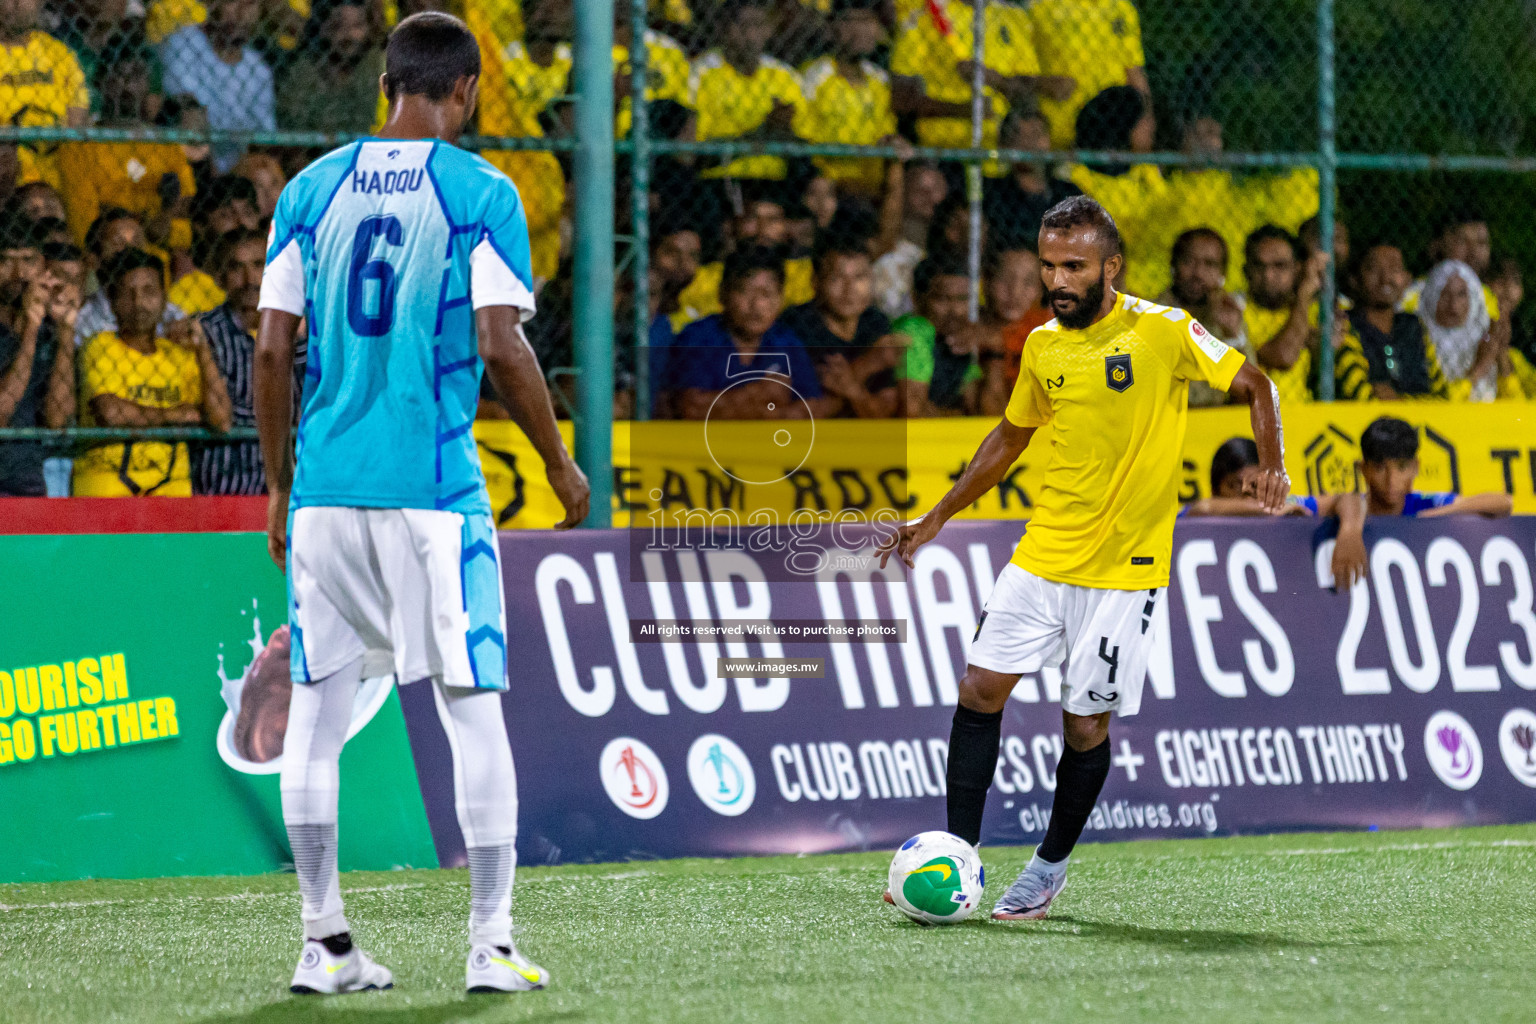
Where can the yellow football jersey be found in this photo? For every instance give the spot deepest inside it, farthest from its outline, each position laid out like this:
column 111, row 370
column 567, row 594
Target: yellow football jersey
column 922, row 50
column 1116, row 397
column 854, row 114
column 1295, row 383
column 1092, row 41
column 40, row 82
column 1134, row 199
column 731, row 105
column 1211, row 198
column 666, row 72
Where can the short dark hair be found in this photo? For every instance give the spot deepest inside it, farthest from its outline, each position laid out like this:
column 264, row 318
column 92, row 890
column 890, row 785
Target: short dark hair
column 1183, row 242
column 743, row 263
column 1106, row 121
column 992, row 259
column 1267, row 233
column 229, row 241
column 62, row 252
column 833, row 247
column 223, row 190
column 104, row 221
column 853, row 6
column 18, row 233
column 1389, row 438
column 1083, row 212
column 126, row 262
column 942, row 263
column 1235, row 455
column 853, row 227
column 427, row 54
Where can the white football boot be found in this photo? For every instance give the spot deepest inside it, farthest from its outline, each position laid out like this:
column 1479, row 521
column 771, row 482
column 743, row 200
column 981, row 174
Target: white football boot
column 1029, row 897
column 323, row 973
column 502, row 969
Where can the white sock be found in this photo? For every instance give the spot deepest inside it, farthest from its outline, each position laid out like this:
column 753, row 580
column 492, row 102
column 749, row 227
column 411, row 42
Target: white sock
column 485, row 797
column 318, row 716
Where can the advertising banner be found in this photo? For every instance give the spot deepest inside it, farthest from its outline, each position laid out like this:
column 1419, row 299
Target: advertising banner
column 1273, row 703
column 143, row 701
column 670, row 466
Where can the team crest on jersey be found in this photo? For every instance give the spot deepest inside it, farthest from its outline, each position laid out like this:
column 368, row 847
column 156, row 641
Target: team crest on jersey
column 1117, row 372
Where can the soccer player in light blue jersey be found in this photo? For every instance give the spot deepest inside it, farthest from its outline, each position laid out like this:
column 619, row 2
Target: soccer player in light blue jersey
column 408, row 258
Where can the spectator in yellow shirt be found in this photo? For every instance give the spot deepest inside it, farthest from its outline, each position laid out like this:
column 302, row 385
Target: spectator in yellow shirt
column 152, row 181
column 1280, row 321
column 536, row 72
column 1120, row 119
column 942, row 55
column 848, row 97
column 41, row 86
column 1091, row 44
column 742, row 93
column 762, row 224
column 666, row 72
column 136, row 377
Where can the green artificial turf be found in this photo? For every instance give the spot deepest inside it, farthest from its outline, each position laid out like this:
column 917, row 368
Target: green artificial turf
column 1410, row 926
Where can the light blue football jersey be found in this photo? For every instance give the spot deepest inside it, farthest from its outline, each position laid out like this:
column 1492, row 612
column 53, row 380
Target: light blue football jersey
column 387, row 247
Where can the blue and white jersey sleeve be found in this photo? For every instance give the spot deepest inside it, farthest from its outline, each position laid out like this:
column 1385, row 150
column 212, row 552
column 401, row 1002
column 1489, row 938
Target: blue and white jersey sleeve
column 500, row 266
column 282, row 283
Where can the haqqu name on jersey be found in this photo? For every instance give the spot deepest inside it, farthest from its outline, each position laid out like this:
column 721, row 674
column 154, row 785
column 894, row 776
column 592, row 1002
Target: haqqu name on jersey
column 389, row 183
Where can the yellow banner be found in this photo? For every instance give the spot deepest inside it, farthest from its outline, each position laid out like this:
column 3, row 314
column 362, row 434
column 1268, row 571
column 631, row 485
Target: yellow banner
column 775, row 466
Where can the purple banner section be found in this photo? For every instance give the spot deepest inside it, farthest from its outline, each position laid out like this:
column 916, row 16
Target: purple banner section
column 1272, row 703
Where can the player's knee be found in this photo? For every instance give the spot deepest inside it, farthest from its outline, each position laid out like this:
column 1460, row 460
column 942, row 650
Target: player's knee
column 1084, row 732
column 984, row 690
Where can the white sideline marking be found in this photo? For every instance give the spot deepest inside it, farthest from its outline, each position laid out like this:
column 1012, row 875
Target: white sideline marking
column 229, row 897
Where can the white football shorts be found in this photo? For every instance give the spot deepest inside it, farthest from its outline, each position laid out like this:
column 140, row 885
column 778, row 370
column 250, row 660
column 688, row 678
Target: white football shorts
column 413, row 591
column 1106, row 636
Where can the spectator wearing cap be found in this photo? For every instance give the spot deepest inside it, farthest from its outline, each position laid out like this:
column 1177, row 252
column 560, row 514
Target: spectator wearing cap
column 235, row 467
column 153, row 181
column 137, row 376
column 1090, row 47
column 332, row 84
column 1014, row 203
column 848, row 339
column 215, row 63
column 741, row 363
column 940, row 372
column 742, row 93
column 1120, row 118
column 44, row 87
column 113, row 232
column 936, row 45
column 37, row 368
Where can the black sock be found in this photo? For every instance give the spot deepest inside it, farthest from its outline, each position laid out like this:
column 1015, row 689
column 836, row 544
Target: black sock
column 974, row 737
column 339, row 944
column 1079, row 778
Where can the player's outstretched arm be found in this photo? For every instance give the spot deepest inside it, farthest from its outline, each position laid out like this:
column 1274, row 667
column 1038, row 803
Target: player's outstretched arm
column 1255, row 390
column 273, row 393
column 998, row 452
column 515, row 374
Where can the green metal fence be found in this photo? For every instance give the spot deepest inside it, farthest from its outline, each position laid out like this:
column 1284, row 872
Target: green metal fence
column 1403, row 120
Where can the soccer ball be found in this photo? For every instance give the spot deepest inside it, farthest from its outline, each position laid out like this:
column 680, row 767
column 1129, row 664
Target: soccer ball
column 936, row 878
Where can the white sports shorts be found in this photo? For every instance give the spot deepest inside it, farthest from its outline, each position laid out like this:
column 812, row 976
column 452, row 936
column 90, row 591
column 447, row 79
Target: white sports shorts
column 413, row 591
column 1105, row 635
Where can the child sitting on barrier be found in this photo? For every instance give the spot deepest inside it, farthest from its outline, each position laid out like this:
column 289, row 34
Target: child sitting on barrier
column 1389, row 462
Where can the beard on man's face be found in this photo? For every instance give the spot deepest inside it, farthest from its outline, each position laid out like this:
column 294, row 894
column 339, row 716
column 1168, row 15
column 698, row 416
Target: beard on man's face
column 1076, row 312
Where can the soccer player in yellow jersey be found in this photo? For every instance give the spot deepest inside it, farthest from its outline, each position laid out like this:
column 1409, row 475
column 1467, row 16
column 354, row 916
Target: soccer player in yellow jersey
column 1110, row 376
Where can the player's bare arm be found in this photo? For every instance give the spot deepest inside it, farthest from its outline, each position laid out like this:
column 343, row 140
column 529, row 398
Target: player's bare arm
column 1255, row 390
column 997, row 454
column 519, row 382
column 273, row 394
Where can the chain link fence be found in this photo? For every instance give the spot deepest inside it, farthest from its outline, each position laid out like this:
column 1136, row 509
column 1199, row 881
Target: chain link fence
column 828, row 159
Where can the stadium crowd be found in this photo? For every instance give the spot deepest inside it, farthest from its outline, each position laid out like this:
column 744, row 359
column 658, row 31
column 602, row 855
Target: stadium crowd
column 130, row 270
